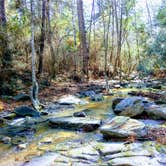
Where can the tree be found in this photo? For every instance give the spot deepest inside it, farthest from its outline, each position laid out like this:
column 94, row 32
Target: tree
column 53, row 56
column 35, row 88
column 42, row 37
column 119, row 26
column 5, row 51
column 106, row 26
column 161, row 16
column 5, row 54
column 82, row 31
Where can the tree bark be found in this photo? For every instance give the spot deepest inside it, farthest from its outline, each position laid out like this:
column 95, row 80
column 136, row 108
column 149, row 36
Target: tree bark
column 53, row 54
column 6, row 54
column 75, row 38
column 85, row 49
column 118, row 21
column 34, row 90
column 112, row 34
column 42, row 37
column 106, row 33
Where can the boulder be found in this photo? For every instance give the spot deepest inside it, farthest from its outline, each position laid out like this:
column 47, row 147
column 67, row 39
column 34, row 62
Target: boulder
column 70, row 99
column 26, row 111
column 116, row 101
column 97, row 97
column 87, row 124
column 2, row 121
column 131, row 106
column 79, row 114
column 156, row 112
column 123, row 127
column 162, row 99
column 6, row 140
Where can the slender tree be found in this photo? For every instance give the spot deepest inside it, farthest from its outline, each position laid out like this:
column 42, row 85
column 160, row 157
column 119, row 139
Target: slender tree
column 5, row 51
column 106, row 25
column 74, row 37
column 53, row 55
column 119, row 26
column 42, row 37
column 112, row 32
column 34, row 90
column 82, row 31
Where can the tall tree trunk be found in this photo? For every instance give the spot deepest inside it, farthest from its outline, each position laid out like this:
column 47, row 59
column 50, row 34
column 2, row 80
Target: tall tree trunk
column 90, row 26
column 75, row 39
column 106, row 32
column 53, row 54
column 112, row 34
column 6, row 54
column 119, row 36
column 34, row 90
column 149, row 17
column 42, row 37
column 85, row 49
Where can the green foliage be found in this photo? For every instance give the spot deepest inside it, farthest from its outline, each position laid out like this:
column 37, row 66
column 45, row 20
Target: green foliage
column 146, row 65
column 162, row 16
column 158, row 47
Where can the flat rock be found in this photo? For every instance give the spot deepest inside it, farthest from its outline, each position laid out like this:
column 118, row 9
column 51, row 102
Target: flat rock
column 134, row 161
column 21, row 97
column 123, row 127
column 87, row 124
column 44, row 160
column 109, row 148
column 129, row 154
column 86, row 152
column 26, row 111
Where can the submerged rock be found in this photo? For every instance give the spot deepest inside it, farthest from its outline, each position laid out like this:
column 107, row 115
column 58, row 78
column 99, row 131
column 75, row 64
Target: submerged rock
column 70, row 99
column 86, row 93
column 56, row 107
column 26, row 111
column 97, row 97
column 22, row 146
column 131, row 106
column 79, row 114
column 87, row 124
column 123, row 127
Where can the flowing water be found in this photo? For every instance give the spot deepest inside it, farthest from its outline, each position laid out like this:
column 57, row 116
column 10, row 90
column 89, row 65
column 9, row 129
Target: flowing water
column 46, row 139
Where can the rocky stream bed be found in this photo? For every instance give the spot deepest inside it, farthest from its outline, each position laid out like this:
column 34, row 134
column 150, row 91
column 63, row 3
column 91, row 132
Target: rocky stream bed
column 125, row 127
